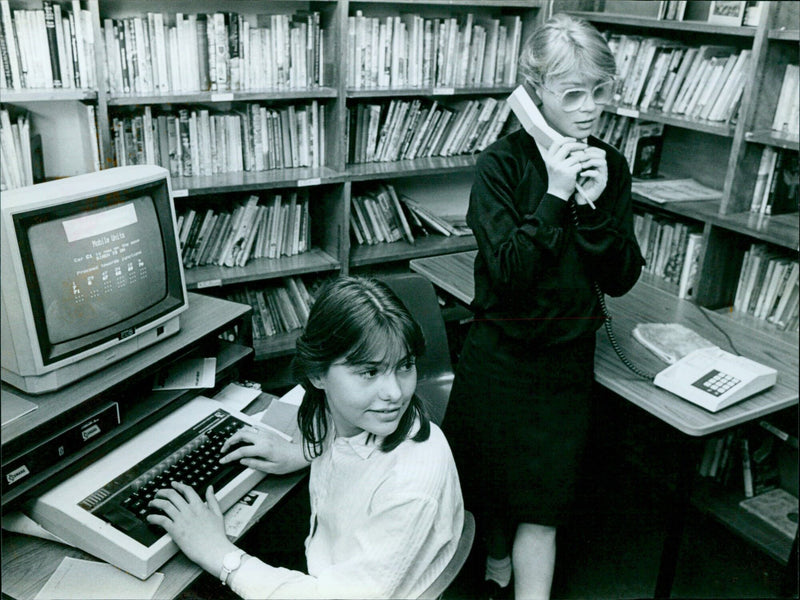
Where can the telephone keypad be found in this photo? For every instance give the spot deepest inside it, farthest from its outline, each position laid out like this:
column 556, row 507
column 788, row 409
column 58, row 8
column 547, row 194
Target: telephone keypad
column 716, row 383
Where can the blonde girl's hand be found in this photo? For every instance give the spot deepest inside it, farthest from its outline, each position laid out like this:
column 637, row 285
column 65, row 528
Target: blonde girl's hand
column 563, row 166
column 264, row 451
column 197, row 527
column 593, row 174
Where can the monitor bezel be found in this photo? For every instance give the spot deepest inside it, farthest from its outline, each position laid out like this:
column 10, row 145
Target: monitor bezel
column 51, row 354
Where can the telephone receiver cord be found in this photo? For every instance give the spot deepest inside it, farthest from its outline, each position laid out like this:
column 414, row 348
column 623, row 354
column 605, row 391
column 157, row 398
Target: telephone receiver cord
column 612, row 338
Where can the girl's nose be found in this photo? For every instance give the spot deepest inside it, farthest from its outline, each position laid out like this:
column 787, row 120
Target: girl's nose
column 390, row 387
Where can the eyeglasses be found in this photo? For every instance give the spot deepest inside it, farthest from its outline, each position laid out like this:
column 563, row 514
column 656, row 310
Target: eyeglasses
column 573, row 98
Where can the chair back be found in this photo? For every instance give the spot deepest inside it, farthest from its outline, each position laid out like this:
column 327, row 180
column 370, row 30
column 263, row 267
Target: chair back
column 434, row 370
column 443, row 581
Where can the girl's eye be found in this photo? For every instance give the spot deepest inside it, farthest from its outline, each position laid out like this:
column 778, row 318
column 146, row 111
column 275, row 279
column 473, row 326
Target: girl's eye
column 407, row 365
column 369, row 373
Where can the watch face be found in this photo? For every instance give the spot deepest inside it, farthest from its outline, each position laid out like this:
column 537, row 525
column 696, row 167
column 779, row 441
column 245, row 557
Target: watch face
column 231, row 561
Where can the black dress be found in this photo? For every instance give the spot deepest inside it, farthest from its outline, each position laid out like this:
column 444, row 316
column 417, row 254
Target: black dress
column 518, row 414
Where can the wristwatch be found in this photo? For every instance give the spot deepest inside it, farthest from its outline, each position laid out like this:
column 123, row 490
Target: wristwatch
column 231, row 562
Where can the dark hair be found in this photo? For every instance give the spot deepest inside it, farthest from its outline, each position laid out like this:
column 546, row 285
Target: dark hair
column 355, row 319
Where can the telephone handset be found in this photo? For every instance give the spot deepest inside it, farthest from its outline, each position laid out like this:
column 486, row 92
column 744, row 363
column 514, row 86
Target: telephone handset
column 532, row 120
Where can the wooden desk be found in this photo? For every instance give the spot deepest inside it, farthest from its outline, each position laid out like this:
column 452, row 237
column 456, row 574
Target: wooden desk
column 645, row 303
column 28, row 562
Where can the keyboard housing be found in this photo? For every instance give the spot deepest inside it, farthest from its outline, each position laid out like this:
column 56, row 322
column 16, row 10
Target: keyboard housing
column 81, row 509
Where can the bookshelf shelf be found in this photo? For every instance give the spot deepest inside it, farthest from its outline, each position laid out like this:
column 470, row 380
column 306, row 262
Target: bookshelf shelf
column 723, row 505
column 281, row 344
column 789, row 339
column 465, row 3
column 215, row 97
column 774, row 138
column 789, row 35
column 245, row 181
column 434, row 165
column 209, row 276
column 48, row 95
column 666, row 25
column 400, row 251
column 715, row 128
column 428, row 91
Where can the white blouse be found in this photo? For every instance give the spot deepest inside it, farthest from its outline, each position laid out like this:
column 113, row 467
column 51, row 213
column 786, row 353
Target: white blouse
column 383, row 525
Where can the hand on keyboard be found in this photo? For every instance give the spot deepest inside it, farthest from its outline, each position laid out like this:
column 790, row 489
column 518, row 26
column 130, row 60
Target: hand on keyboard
column 197, row 527
column 264, row 451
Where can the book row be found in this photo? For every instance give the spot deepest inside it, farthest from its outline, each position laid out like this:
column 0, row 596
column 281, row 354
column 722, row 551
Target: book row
column 767, row 287
column 191, row 142
column 406, row 129
column 671, row 250
column 411, row 51
column 777, row 188
column 787, row 111
column 699, row 82
column 48, row 47
column 639, row 141
column 379, row 215
column 15, row 158
column 277, row 308
column 745, row 458
column 161, row 53
column 256, row 228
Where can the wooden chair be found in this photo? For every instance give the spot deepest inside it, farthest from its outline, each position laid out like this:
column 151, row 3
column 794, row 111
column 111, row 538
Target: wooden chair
column 435, row 372
column 443, row 581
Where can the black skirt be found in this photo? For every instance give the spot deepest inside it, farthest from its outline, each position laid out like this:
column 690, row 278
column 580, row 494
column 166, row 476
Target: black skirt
column 517, row 421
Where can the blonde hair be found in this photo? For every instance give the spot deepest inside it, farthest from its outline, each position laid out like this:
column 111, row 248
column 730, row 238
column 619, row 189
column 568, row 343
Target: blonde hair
column 562, row 45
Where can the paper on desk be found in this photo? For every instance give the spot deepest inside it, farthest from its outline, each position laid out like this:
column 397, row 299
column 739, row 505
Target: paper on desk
column 69, row 582
column 241, row 513
column 237, row 397
column 21, row 523
column 191, row 373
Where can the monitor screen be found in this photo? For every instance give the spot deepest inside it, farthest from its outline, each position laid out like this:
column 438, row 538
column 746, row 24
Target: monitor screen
column 97, row 268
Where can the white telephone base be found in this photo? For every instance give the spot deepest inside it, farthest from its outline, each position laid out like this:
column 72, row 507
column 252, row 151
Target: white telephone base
column 714, row 379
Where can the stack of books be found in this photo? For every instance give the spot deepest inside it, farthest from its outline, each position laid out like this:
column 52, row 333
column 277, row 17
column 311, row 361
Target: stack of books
column 199, row 142
column 411, row 51
column 777, row 188
column 15, row 158
column 279, row 226
column 377, row 216
column 639, row 141
column 48, row 47
column 672, row 250
column 787, row 112
column 150, row 55
column 704, row 82
column 407, row 129
column 767, row 288
column 277, row 308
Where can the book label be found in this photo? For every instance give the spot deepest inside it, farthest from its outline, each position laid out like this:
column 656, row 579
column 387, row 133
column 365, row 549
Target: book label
column 628, row 112
column 209, row 283
column 180, row 193
column 222, row 97
column 443, row 91
column 310, row 181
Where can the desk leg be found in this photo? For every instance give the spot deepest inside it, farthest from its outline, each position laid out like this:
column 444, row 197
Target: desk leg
column 676, row 520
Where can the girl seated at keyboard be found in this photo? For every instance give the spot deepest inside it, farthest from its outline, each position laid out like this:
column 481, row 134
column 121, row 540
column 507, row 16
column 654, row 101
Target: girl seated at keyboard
column 386, row 506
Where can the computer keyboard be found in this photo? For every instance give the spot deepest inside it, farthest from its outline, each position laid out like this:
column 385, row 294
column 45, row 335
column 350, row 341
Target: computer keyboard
column 103, row 508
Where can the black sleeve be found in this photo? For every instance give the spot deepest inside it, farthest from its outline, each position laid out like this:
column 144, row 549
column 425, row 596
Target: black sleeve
column 605, row 236
column 516, row 247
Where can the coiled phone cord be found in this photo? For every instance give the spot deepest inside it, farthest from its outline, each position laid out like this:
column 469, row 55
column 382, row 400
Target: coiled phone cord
column 607, row 319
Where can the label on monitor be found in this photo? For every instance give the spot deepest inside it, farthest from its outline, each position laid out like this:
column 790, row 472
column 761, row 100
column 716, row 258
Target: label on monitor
column 59, row 447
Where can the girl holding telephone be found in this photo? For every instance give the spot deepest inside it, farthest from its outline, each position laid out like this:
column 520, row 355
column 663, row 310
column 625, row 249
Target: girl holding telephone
column 520, row 407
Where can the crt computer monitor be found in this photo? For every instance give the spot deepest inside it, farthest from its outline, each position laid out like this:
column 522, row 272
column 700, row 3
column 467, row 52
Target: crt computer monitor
column 91, row 273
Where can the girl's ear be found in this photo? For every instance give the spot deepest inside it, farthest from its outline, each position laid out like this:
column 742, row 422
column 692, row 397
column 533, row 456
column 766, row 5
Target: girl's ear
column 318, row 381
